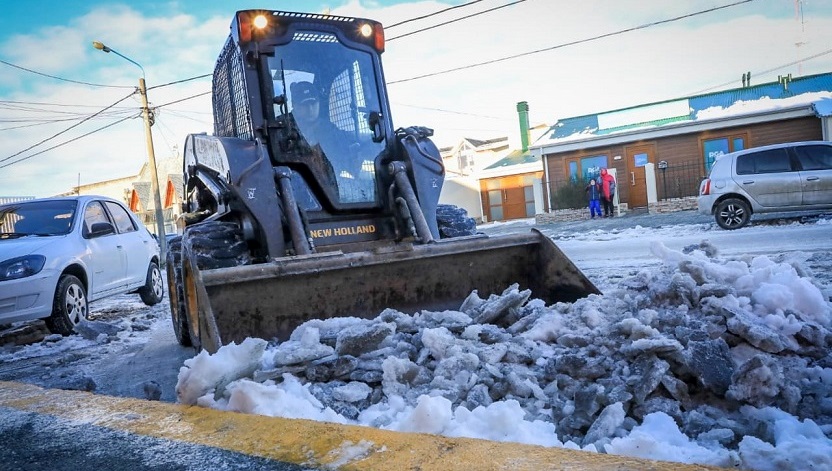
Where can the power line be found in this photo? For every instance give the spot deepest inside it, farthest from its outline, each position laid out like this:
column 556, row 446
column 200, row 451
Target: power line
column 828, row 51
column 183, row 99
column 452, row 112
column 431, row 14
column 571, row 43
column 180, row 81
column 69, row 141
column 65, row 130
column 61, row 78
column 455, row 20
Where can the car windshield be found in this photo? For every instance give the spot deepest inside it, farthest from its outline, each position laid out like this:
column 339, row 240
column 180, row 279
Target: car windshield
column 37, row 218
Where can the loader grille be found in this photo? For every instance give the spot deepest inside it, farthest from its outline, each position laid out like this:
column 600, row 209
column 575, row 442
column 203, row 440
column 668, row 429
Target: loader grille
column 231, row 109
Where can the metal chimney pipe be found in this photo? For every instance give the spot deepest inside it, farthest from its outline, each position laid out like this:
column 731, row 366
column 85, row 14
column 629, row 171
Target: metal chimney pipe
column 523, row 114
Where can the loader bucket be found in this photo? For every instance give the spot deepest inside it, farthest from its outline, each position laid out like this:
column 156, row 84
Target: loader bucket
column 270, row 300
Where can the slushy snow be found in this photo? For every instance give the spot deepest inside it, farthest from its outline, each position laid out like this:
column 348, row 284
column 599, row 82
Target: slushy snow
column 702, row 360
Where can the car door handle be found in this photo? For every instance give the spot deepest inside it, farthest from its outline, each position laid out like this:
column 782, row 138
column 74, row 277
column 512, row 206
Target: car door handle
column 748, row 182
column 811, row 179
column 118, row 247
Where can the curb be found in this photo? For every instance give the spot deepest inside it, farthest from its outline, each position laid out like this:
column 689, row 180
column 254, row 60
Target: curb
column 308, row 443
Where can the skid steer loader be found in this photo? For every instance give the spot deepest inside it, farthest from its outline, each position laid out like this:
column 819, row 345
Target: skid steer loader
column 306, row 203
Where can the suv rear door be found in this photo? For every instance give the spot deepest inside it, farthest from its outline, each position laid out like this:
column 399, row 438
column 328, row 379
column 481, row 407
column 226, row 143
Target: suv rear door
column 816, row 173
column 769, row 177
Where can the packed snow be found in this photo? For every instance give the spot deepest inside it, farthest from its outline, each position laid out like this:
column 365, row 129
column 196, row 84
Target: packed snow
column 701, row 359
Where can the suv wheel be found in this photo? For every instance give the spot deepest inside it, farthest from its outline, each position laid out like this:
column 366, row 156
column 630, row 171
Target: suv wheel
column 732, row 213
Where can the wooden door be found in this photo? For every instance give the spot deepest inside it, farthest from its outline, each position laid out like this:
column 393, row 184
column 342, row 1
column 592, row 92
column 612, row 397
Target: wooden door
column 510, row 197
column 514, row 204
column 634, row 178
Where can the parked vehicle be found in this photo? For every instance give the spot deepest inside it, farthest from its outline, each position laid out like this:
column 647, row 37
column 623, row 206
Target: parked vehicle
column 59, row 254
column 794, row 176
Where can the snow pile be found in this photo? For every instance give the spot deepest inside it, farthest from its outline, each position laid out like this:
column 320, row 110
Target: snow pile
column 703, row 360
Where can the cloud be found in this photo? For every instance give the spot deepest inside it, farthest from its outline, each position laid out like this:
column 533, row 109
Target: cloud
column 657, row 63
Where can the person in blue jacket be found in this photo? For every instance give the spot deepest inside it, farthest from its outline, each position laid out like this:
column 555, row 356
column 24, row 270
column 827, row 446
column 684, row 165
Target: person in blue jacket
column 593, row 190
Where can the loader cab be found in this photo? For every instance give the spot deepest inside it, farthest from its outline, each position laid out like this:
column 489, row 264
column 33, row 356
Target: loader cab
column 326, row 111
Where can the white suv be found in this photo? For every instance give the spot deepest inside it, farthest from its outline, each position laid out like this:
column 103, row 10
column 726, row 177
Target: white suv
column 794, row 176
column 59, row 254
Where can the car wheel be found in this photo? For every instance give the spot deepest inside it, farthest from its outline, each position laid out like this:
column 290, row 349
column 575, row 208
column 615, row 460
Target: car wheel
column 173, row 261
column 153, row 290
column 69, row 307
column 732, row 213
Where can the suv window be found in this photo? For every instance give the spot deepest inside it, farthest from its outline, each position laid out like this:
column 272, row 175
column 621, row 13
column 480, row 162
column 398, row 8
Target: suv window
column 123, row 221
column 766, row 161
column 815, row 157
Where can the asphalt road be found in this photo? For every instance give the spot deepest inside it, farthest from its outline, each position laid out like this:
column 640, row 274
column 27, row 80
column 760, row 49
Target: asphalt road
column 644, row 219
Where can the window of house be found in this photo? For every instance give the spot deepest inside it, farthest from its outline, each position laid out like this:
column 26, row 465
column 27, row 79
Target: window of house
column 587, row 167
column 495, row 199
column 466, row 159
column 713, row 148
column 528, row 193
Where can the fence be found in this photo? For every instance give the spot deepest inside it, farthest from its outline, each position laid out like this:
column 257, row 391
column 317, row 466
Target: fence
column 676, row 181
column 567, row 194
column 679, row 180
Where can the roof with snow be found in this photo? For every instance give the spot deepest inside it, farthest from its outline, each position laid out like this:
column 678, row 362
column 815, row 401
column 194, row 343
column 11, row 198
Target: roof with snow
column 809, row 91
column 515, row 157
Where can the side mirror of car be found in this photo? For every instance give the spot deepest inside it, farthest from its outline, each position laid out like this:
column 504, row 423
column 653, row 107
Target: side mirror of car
column 99, row 229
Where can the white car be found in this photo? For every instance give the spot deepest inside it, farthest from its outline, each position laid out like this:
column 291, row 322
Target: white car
column 59, row 254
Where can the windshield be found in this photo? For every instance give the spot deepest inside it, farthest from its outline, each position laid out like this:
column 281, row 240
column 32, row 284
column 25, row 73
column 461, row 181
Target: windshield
column 327, row 93
column 40, row 218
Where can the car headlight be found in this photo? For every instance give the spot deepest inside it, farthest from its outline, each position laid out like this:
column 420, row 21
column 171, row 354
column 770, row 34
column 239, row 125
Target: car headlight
column 21, row 267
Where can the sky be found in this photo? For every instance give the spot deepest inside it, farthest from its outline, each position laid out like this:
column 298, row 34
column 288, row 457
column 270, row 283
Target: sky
column 593, row 56
column 760, row 402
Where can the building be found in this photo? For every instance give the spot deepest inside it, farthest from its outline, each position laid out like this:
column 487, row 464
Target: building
column 492, row 180
column 471, row 155
column 661, row 151
column 135, row 192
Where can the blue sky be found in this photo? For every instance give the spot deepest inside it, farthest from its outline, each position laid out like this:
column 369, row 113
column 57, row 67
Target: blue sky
column 175, row 40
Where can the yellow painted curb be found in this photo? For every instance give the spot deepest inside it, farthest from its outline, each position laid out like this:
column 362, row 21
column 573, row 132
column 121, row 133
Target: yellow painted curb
column 310, row 443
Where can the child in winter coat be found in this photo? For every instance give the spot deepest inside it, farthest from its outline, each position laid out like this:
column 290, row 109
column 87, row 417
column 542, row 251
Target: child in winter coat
column 594, row 192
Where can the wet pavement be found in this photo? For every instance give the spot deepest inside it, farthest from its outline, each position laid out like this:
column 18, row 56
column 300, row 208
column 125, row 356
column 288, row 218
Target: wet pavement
column 642, row 218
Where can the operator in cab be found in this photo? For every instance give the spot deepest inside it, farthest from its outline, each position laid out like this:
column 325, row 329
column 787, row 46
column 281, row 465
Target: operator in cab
column 306, row 101
column 320, row 133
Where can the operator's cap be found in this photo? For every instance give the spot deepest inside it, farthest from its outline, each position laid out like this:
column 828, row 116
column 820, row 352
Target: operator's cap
column 303, row 92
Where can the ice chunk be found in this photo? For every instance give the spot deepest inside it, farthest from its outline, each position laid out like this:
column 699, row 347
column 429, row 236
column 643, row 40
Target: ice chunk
column 205, row 373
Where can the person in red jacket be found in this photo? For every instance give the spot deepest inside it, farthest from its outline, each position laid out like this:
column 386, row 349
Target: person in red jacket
column 607, row 192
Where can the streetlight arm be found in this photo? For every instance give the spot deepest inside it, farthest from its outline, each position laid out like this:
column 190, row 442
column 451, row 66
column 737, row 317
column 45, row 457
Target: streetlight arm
column 151, row 156
column 100, row 46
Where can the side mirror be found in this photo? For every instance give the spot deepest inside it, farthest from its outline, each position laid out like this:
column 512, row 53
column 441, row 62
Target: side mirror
column 99, row 229
column 376, row 125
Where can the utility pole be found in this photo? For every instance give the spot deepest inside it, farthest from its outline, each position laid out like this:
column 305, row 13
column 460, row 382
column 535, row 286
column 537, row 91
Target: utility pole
column 151, row 155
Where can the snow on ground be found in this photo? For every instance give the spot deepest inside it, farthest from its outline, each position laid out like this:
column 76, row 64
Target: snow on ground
column 694, row 357
column 701, row 359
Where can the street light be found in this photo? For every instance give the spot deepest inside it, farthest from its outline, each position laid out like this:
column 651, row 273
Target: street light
column 151, row 156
